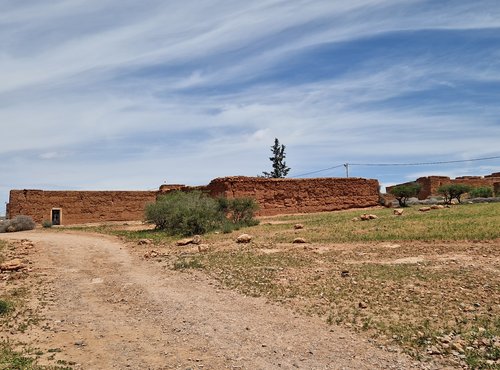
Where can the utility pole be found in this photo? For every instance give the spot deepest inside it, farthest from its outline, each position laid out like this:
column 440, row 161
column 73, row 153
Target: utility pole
column 346, row 165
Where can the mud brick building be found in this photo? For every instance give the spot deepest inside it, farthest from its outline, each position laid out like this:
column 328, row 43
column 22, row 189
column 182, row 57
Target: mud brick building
column 274, row 196
column 430, row 184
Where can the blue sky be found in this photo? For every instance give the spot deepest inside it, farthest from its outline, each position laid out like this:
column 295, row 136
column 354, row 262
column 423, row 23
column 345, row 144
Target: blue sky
column 127, row 94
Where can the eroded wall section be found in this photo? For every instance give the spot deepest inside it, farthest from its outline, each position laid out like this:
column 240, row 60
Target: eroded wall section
column 285, row 196
column 78, row 207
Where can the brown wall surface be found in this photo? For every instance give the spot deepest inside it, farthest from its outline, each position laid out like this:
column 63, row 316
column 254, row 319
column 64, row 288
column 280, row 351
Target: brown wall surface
column 431, row 184
column 285, row 196
column 274, row 196
column 80, row 206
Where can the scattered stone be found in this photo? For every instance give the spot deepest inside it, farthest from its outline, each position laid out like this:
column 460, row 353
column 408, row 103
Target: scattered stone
column 362, row 305
column 197, row 239
column 151, row 254
column 366, row 217
column 458, row 347
column 203, row 248
column 12, row 265
column 80, row 343
column 298, row 226
column 355, row 219
column 144, row 242
column 344, row 273
column 299, row 241
column 244, row 238
column 184, row 242
column 437, row 206
column 433, row 350
column 424, row 209
column 398, row 211
column 445, row 339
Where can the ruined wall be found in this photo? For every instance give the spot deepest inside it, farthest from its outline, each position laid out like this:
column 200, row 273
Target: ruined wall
column 80, row 206
column 430, row 184
column 285, row 196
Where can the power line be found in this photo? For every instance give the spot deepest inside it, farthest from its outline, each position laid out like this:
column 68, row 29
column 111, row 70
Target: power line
column 397, row 164
column 423, row 163
column 318, row 171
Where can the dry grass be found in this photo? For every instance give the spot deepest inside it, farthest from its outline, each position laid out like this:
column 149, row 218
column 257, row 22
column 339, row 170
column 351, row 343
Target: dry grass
column 428, row 282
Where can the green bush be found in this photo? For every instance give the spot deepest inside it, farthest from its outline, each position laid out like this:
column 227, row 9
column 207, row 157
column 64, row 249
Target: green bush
column 240, row 211
column 46, row 224
column 405, row 191
column 450, row 191
column 191, row 213
column 481, row 192
column 18, row 223
column 185, row 213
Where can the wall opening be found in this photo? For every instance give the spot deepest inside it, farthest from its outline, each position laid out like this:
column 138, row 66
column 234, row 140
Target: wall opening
column 56, row 216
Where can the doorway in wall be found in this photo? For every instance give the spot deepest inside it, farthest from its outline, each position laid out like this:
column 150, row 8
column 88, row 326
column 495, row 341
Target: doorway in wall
column 56, row 217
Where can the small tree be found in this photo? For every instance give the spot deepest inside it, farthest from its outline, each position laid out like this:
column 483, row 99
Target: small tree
column 405, row 191
column 280, row 168
column 450, row 191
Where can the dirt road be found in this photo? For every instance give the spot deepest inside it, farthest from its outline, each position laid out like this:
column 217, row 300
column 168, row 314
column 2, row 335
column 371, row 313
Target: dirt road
column 109, row 309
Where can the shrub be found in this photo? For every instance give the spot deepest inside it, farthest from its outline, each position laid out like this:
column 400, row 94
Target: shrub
column 405, row 191
column 450, row 191
column 240, row 211
column 46, row 224
column 18, row 223
column 191, row 213
column 481, row 192
column 185, row 213
column 4, row 307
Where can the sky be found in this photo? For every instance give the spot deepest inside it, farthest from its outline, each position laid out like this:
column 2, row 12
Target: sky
column 121, row 94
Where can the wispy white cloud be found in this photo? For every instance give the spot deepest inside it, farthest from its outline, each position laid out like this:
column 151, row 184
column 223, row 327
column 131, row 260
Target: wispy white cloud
column 93, row 91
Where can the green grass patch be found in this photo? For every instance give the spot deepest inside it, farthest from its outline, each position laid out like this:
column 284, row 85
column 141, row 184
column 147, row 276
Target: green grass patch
column 462, row 222
column 11, row 359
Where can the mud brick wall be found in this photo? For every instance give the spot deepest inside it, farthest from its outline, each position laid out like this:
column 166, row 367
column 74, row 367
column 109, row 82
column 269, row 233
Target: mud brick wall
column 79, row 207
column 431, row 184
column 285, row 196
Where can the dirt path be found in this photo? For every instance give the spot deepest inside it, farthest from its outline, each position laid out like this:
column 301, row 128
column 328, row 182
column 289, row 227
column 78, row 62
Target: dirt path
column 108, row 309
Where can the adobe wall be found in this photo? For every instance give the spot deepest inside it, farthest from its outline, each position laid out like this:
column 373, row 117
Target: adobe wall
column 80, row 206
column 285, row 196
column 430, row 184
column 274, row 196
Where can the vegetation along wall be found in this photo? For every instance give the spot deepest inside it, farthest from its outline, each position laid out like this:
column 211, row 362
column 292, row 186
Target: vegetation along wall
column 431, row 184
column 77, row 207
column 285, row 196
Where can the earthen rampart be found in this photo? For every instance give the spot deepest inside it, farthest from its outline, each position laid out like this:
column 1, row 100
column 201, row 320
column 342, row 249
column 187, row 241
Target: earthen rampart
column 78, row 207
column 274, row 196
column 286, row 196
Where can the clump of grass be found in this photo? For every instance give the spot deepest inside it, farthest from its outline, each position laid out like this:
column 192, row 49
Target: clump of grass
column 184, row 263
column 5, row 307
column 12, row 359
column 47, row 224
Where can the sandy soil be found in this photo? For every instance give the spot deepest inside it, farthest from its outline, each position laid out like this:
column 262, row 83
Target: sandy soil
column 109, row 309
